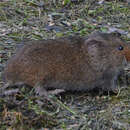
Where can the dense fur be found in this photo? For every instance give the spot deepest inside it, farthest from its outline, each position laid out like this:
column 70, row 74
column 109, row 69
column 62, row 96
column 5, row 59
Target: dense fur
column 72, row 63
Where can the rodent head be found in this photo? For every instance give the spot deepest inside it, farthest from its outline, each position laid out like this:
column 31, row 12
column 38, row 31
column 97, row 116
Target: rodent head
column 114, row 41
column 107, row 55
column 106, row 51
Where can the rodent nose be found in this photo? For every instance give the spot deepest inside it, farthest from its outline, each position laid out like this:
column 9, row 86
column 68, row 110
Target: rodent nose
column 127, row 52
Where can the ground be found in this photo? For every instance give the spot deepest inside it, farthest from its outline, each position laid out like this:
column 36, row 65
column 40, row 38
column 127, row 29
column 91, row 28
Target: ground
column 22, row 20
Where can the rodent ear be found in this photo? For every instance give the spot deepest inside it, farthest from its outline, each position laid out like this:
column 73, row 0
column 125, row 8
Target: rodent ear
column 93, row 51
column 92, row 47
column 92, row 43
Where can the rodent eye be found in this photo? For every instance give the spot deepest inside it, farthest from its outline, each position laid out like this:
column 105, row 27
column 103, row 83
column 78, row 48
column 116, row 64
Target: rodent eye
column 120, row 48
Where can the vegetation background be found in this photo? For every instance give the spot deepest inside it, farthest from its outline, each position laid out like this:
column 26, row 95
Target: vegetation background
column 22, row 20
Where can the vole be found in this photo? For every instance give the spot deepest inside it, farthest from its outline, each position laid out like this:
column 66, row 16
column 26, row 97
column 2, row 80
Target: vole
column 70, row 63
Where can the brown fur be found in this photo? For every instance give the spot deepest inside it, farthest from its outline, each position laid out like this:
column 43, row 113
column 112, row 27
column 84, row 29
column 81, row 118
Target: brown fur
column 72, row 63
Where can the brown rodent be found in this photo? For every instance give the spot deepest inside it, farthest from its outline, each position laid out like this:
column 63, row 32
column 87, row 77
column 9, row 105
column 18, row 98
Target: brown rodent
column 71, row 63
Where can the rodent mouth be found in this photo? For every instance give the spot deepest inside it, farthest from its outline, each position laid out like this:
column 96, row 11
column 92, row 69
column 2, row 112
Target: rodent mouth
column 117, row 80
column 124, row 62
